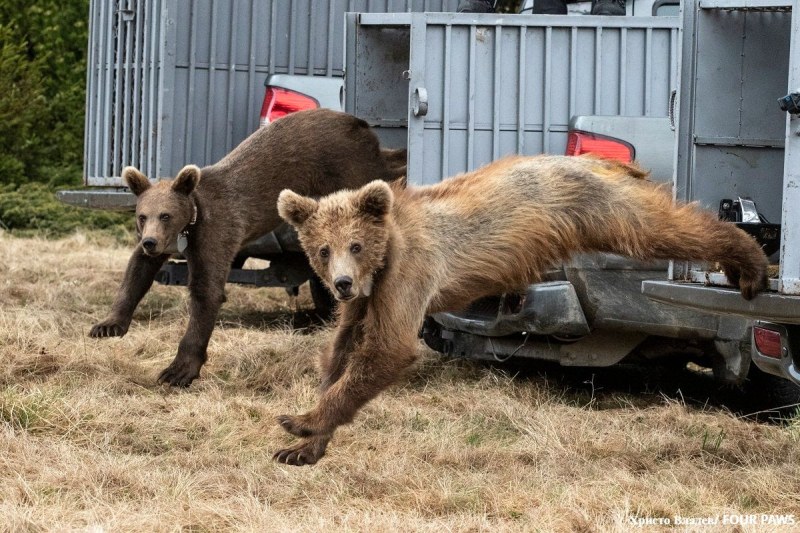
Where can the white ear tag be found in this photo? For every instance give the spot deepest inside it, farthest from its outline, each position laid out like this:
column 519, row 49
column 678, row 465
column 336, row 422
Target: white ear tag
column 183, row 242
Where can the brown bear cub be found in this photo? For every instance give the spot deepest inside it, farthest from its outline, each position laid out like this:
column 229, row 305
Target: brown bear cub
column 315, row 152
column 393, row 255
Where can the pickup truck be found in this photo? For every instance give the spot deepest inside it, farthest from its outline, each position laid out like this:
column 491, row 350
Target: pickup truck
column 406, row 75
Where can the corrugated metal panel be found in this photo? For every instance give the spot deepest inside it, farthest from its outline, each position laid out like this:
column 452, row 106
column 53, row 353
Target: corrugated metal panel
column 499, row 85
column 123, row 74
column 513, row 87
column 750, row 149
column 181, row 81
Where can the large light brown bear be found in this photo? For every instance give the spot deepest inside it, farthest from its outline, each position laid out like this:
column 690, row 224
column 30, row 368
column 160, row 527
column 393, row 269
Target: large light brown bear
column 209, row 214
column 391, row 256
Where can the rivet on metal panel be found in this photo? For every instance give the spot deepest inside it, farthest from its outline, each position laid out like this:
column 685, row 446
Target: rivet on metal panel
column 406, row 74
column 419, row 103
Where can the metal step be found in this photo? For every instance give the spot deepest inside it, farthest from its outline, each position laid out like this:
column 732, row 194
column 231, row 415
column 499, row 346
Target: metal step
column 769, row 306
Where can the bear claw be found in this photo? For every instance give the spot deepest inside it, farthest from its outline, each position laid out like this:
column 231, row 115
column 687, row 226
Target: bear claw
column 108, row 328
column 293, row 457
column 305, row 453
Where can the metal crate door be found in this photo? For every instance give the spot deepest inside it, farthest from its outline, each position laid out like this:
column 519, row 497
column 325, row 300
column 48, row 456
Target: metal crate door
column 789, row 282
column 172, row 82
column 485, row 86
column 124, row 88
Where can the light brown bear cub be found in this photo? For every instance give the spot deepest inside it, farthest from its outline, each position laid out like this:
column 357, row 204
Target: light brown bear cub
column 391, row 256
column 316, row 152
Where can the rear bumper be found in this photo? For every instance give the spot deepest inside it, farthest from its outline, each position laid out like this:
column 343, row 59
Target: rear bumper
column 550, row 308
column 108, row 199
column 546, row 323
column 769, row 310
column 768, row 306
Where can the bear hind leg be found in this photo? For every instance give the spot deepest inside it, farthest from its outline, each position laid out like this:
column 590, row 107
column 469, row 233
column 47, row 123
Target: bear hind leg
column 689, row 233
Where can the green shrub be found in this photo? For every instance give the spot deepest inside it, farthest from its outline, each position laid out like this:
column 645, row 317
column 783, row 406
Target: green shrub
column 33, row 208
column 22, row 112
column 42, row 86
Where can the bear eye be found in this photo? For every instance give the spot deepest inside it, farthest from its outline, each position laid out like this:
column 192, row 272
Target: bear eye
column 164, row 217
column 142, row 219
column 324, row 252
column 355, row 248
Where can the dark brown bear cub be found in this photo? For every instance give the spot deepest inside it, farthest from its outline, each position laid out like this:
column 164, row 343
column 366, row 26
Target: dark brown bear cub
column 393, row 255
column 209, row 214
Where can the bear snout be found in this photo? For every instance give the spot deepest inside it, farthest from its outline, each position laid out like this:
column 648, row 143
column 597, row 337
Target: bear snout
column 149, row 244
column 343, row 285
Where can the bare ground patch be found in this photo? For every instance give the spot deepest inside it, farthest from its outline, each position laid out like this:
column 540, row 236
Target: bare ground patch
column 87, row 440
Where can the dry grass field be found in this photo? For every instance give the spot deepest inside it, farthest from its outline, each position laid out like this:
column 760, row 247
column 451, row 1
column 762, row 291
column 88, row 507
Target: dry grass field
column 89, row 442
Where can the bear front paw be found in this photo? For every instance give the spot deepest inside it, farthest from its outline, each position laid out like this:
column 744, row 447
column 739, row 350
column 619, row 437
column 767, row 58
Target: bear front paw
column 109, row 328
column 307, row 452
column 180, row 373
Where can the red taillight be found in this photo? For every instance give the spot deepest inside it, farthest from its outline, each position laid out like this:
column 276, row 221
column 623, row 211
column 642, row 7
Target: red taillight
column 580, row 142
column 768, row 342
column 280, row 102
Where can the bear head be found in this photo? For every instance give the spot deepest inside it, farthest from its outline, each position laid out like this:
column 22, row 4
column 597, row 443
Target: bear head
column 345, row 235
column 164, row 209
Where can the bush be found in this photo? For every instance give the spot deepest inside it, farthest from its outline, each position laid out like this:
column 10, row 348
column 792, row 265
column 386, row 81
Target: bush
column 42, row 83
column 33, row 208
column 22, row 112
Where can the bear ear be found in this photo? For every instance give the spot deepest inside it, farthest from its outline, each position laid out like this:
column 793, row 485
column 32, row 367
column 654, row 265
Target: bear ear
column 375, row 199
column 186, row 180
column 295, row 209
column 137, row 182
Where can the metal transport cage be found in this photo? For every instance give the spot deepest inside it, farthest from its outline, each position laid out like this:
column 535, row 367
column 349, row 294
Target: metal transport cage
column 460, row 91
column 172, row 82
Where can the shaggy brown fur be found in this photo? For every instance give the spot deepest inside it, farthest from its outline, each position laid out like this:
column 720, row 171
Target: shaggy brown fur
column 315, row 152
column 407, row 253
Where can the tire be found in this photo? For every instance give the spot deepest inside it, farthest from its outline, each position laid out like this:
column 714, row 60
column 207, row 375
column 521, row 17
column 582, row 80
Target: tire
column 324, row 303
column 772, row 397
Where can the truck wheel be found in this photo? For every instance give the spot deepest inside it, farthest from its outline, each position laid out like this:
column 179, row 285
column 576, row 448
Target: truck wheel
column 772, row 397
column 324, row 303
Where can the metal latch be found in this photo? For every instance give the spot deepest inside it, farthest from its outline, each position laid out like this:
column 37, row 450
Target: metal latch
column 790, row 103
column 673, row 97
column 419, row 102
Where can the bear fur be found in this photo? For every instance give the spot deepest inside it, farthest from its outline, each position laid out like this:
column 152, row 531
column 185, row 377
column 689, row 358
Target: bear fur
column 221, row 207
column 393, row 255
